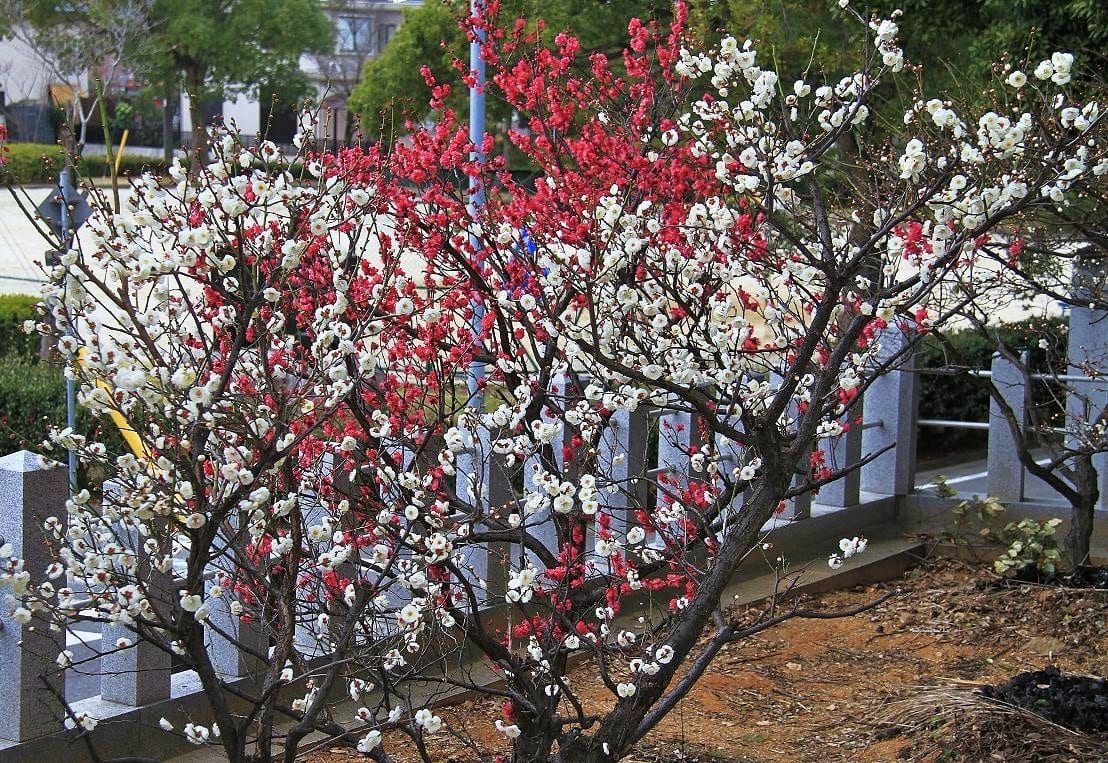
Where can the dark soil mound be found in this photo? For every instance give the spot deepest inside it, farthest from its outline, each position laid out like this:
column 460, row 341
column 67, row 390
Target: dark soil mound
column 1083, row 577
column 1088, row 577
column 1076, row 702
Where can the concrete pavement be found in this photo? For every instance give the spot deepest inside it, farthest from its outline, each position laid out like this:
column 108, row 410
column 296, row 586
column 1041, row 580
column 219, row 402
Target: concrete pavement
column 21, row 247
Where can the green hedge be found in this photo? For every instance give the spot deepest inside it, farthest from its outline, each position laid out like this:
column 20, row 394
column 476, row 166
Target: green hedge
column 32, row 397
column 32, row 162
column 963, row 398
column 40, row 162
column 14, row 310
column 31, row 394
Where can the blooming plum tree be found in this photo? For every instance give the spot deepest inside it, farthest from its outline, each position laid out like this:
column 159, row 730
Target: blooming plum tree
column 1053, row 257
column 319, row 488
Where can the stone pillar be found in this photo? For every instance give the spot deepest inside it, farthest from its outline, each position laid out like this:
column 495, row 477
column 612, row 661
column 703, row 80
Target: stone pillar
column 889, row 412
column 678, row 436
column 228, row 634
column 31, row 490
column 731, row 457
column 623, row 461
column 228, row 646
column 1088, row 352
column 539, row 525
column 1006, row 473
column 801, row 506
column 139, row 674
column 485, row 482
column 845, row 452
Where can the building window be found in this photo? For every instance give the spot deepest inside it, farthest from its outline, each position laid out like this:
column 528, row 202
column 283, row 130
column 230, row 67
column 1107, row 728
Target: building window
column 384, row 34
column 353, row 33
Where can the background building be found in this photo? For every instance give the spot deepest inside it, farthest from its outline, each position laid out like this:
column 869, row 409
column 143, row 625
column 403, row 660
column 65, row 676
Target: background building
column 362, row 30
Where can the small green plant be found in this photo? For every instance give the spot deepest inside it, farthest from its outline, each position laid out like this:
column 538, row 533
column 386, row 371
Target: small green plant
column 942, row 489
column 1031, row 545
column 972, row 516
column 976, row 513
column 32, row 397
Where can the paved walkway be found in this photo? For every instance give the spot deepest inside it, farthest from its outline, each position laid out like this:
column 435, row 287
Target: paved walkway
column 973, row 477
column 21, row 248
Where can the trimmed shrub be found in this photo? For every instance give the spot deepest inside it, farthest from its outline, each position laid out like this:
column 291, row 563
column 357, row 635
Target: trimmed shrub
column 33, row 162
column 14, row 310
column 96, row 165
column 32, row 397
column 40, row 162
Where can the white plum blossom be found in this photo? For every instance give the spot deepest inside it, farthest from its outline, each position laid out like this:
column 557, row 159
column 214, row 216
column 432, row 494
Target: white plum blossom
column 196, row 734
column 848, row 547
column 510, row 730
column 369, row 742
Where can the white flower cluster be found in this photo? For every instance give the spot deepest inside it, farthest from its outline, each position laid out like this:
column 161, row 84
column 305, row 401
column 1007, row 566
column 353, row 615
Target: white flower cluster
column 848, row 547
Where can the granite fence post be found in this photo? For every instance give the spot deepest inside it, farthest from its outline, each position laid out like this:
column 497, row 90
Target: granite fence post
column 1088, row 354
column 31, row 490
column 623, row 458
column 730, row 461
column 485, row 481
column 1006, row 473
column 140, row 673
column 678, row 437
column 799, row 507
column 889, row 413
column 846, row 452
column 236, row 645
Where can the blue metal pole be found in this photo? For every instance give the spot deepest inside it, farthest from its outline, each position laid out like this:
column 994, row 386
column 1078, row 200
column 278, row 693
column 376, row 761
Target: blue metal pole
column 68, row 195
column 476, row 185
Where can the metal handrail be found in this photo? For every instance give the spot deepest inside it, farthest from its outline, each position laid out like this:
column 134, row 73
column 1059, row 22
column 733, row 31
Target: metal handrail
column 952, row 424
column 78, row 604
column 984, row 373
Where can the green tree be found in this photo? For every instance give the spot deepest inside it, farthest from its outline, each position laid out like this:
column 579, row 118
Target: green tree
column 956, row 40
column 1078, row 26
column 213, row 48
column 796, row 32
column 75, row 42
column 392, row 87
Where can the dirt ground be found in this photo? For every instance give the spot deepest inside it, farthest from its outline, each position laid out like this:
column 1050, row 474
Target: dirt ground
column 812, row 690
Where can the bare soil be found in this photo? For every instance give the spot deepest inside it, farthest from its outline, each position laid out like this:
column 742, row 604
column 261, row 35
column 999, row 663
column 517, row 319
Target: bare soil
column 813, row 690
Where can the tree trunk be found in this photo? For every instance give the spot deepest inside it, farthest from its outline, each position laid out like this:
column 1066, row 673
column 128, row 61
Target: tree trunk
column 198, row 148
column 617, row 731
column 1081, row 511
column 532, row 746
column 232, row 741
column 172, row 103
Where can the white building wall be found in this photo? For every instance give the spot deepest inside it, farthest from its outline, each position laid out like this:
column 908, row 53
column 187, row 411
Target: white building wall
column 244, row 113
column 23, row 75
